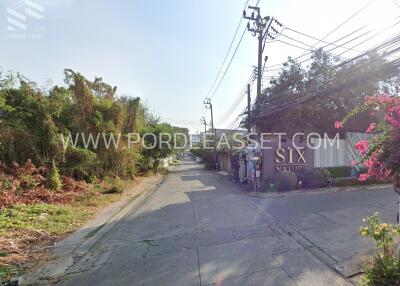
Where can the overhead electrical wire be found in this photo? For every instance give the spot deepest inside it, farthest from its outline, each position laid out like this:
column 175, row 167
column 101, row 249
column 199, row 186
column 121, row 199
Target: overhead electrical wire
column 334, row 30
column 227, row 67
column 311, row 51
column 314, row 38
column 388, row 47
column 227, row 53
column 349, row 41
column 344, row 22
column 232, row 57
column 238, row 99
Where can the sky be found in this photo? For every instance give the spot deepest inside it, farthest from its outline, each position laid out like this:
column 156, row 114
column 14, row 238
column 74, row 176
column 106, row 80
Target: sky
column 169, row 52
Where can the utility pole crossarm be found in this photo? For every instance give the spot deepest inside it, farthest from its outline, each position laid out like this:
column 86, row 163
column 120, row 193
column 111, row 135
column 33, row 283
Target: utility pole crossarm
column 260, row 27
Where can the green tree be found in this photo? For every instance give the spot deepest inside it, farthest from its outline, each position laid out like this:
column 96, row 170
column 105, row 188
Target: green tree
column 338, row 88
column 158, row 142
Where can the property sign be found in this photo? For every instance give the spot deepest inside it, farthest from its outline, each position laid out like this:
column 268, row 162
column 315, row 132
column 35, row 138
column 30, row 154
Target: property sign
column 290, row 159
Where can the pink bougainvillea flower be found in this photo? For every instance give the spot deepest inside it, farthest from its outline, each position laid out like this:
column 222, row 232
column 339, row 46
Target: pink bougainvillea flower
column 371, row 127
column 338, row 124
column 364, row 177
column 392, row 116
column 362, row 147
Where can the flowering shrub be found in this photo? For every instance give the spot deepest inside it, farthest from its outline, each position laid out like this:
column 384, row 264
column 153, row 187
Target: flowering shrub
column 381, row 155
column 384, row 234
column 382, row 269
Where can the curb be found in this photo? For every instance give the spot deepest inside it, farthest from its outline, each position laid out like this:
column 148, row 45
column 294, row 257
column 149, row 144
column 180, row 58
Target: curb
column 60, row 267
column 102, row 229
column 319, row 191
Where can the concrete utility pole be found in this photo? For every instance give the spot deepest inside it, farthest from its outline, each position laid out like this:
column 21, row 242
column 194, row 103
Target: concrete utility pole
column 260, row 26
column 208, row 105
column 248, row 108
column 204, row 122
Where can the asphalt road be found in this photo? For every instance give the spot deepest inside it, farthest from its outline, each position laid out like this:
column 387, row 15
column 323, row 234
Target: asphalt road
column 199, row 229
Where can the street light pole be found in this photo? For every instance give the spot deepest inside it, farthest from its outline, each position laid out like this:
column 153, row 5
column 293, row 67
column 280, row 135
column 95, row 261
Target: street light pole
column 208, row 105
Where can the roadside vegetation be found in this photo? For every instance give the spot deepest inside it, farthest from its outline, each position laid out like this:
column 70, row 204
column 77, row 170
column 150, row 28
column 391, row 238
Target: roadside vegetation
column 384, row 267
column 381, row 157
column 48, row 188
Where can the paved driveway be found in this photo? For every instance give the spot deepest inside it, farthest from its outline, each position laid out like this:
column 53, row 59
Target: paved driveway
column 198, row 229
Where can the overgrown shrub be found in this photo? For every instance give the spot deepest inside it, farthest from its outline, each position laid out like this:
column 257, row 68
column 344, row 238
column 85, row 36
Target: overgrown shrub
column 80, row 163
column 316, row 178
column 286, row 181
column 339, row 171
column 113, row 185
column 28, row 185
column 383, row 270
column 163, row 171
column 53, row 179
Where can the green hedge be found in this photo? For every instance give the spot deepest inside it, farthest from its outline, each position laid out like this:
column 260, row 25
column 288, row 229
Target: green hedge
column 340, row 171
column 286, row 181
column 316, row 178
column 346, row 182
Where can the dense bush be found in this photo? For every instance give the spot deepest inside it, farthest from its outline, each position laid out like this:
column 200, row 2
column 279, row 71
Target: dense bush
column 340, row 171
column 285, row 181
column 345, row 182
column 48, row 125
column 316, row 178
column 53, row 179
column 28, row 184
column 383, row 270
column 113, row 186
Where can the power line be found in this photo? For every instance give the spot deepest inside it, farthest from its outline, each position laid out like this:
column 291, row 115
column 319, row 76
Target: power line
column 238, row 99
column 310, row 52
column 386, row 48
column 347, row 20
column 293, row 45
column 349, row 41
column 335, row 29
column 325, row 42
column 229, row 64
column 373, row 36
column 227, row 53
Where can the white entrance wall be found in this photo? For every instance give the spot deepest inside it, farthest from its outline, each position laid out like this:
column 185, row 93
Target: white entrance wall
column 327, row 155
column 341, row 154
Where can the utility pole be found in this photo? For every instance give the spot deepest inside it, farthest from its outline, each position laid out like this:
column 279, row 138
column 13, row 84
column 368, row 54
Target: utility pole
column 204, row 122
column 208, row 105
column 248, row 109
column 260, row 26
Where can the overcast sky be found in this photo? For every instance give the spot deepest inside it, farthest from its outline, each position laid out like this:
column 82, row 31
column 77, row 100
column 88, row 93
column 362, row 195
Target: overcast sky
column 169, row 52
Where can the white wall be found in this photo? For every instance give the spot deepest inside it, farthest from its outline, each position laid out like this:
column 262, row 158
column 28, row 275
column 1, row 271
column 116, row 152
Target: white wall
column 327, row 155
